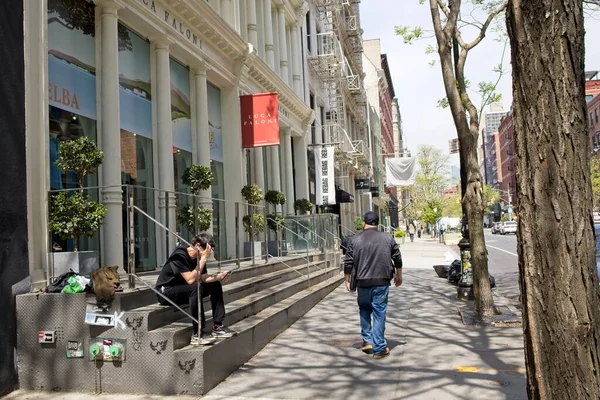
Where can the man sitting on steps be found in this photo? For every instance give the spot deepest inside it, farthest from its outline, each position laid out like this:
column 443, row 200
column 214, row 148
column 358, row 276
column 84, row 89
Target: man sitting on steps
column 178, row 282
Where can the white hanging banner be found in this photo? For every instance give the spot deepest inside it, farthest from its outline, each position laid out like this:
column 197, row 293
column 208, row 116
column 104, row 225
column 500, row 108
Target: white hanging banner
column 400, row 171
column 324, row 172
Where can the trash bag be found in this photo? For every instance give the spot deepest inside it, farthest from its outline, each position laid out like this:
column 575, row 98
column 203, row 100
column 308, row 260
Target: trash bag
column 492, row 282
column 59, row 283
column 442, row 270
column 454, row 273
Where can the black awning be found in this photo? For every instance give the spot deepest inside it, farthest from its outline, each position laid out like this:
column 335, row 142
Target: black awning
column 341, row 196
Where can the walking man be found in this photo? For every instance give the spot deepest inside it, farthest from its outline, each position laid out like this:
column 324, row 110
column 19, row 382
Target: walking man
column 374, row 259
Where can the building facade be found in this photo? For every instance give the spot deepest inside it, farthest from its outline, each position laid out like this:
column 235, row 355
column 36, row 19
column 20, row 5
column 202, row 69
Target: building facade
column 508, row 186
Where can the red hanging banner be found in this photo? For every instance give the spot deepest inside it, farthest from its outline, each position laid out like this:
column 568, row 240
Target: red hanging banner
column 260, row 120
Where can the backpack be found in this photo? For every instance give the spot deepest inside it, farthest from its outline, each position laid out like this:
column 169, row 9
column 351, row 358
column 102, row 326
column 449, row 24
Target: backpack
column 59, row 283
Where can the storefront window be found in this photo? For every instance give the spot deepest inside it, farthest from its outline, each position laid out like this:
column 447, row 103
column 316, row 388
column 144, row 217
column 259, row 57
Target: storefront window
column 216, row 156
column 71, row 95
column 136, row 141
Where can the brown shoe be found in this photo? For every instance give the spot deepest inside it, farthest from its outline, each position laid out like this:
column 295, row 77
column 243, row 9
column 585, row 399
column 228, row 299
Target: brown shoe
column 382, row 355
column 367, row 348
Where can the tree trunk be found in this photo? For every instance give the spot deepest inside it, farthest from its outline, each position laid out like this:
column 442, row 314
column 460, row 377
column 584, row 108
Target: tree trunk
column 467, row 131
column 558, row 277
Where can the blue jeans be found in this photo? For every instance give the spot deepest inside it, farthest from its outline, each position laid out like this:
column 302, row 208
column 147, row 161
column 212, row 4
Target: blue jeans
column 373, row 300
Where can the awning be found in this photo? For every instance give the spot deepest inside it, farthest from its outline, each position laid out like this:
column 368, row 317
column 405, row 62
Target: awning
column 341, row 196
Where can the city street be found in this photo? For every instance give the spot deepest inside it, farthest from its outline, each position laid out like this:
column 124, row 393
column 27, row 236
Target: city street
column 503, row 263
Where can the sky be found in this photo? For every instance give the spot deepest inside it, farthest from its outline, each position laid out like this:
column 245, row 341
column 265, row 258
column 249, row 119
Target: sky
column 419, row 86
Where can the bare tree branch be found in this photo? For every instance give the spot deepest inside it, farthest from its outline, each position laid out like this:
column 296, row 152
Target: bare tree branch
column 486, row 24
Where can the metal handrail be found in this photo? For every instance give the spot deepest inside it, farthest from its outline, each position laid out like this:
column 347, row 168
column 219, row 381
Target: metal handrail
column 314, row 231
column 348, row 229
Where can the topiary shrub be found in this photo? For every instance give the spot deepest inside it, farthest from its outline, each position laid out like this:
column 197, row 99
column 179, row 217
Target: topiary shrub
column 252, row 194
column 203, row 221
column 303, row 206
column 259, row 224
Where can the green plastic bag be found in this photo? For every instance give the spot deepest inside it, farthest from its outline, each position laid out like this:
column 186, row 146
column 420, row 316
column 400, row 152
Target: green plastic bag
column 74, row 286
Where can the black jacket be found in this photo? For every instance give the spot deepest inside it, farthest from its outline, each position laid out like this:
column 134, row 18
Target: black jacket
column 375, row 255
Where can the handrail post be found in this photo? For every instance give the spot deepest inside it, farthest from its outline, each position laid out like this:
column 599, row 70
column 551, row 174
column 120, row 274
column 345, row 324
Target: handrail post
column 266, row 235
column 130, row 237
column 237, row 234
column 199, row 290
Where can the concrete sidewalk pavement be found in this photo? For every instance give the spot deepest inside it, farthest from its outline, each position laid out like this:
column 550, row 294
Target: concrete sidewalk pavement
column 434, row 356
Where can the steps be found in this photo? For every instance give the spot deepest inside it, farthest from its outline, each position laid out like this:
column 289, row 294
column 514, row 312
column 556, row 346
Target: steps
column 261, row 301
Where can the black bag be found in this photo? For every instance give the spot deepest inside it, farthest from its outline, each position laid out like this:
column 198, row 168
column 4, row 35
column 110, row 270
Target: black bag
column 60, row 282
column 454, row 274
column 353, row 278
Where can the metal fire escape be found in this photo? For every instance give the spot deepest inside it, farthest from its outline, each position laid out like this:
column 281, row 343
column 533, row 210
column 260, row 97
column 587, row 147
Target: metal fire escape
column 338, row 63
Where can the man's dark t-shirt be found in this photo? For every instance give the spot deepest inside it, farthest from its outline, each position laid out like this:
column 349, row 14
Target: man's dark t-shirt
column 179, row 261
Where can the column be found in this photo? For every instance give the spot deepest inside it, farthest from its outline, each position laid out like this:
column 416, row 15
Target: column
column 227, row 11
column 296, row 67
column 289, row 172
column 283, row 61
column 269, row 47
column 164, row 133
column 112, row 197
column 202, row 131
column 251, row 18
column 233, row 157
column 273, row 166
column 301, row 167
column 258, row 166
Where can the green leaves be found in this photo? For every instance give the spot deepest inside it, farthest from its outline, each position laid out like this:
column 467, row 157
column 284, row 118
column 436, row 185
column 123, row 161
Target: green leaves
column 303, row 206
column 274, row 222
column 198, row 178
column 358, row 223
column 252, row 194
column 203, row 218
column 254, row 225
column 275, row 197
column 73, row 214
column 80, row 156
column 409, row 34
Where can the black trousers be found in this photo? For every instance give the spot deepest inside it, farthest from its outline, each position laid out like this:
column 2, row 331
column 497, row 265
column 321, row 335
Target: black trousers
column 188, row 294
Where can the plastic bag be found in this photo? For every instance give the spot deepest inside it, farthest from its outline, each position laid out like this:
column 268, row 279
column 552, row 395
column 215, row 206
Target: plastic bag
column 74, row 286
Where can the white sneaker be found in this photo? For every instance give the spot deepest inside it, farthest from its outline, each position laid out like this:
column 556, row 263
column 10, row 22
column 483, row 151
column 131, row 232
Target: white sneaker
column 204, row 340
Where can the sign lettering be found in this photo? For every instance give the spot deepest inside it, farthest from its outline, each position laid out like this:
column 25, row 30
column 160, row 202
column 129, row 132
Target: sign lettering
column 172, row 21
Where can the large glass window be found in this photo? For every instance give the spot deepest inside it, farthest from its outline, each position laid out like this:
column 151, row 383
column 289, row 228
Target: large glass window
column 216, row 156
column 71, row 94
column 135, row 104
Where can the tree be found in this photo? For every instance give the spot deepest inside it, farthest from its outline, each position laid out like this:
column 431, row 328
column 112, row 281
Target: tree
column 430, row 180
column 556, row 246
column 447, row 25
column 490, row 197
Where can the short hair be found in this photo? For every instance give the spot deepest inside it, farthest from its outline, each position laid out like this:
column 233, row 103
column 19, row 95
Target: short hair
column 203, row 239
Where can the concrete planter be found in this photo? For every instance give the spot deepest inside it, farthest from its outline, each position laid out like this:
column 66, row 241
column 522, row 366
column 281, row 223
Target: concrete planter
column 82, row 262
column 277, row 248
column 399, row 240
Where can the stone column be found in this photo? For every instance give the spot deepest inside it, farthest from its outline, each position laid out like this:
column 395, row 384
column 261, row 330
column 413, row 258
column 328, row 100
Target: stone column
column 296, row 53
column 202, row 130
column 227, row 11
column 112, row 194
column 289, row 172
column 301, row 167
column 269, row 47
column 283, row 61
column 164, row 133
column 232, row 163
column 251, row 18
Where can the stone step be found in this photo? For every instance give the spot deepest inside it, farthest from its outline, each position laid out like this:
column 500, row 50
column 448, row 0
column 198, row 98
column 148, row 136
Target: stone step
column 204, row 367
column 157, row 315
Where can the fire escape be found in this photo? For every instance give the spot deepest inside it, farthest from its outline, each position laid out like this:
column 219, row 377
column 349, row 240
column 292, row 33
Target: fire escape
column 338, row 63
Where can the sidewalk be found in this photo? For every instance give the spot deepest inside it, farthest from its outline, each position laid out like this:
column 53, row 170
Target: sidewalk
column 434, row 356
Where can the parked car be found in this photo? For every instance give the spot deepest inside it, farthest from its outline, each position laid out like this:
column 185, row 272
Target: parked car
column 496, row 228
column 508, row 227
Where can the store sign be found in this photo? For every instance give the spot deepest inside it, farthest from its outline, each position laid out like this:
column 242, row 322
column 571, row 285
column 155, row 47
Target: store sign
column 374, row 191
column 453, row 146
column 324, row 171
column 70, row 88
column 260, row 120
column 362, row 183
column 174, row 22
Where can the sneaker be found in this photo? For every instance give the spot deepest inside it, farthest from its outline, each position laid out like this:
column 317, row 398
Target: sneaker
column 204, row 340
column 385, row 353
column 223, row 331
column 367, row 348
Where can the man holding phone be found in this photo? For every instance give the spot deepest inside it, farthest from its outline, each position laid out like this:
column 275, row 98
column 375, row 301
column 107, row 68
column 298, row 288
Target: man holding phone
column 178, row 282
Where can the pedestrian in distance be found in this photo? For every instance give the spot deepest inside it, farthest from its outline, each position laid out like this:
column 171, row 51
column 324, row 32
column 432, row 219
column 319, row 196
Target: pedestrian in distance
column 372, row 260
column 411, row 231
column 419, row 231
column 178, row 280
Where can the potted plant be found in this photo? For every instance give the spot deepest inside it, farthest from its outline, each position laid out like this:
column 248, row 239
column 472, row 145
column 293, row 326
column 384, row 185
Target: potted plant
column 196, row 218
column 303, row 206
column 399, row 236
column 72, row 213
column 254, row 224
column 358, row 223
column 274, row 221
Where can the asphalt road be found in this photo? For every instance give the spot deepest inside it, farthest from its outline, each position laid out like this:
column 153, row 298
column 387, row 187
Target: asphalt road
column 503, row 263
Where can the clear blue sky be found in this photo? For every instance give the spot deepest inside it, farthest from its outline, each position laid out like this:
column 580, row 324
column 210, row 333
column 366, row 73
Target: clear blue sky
column 419, row 86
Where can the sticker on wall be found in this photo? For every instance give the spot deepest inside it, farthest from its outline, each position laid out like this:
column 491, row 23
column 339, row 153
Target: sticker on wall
column 74, row 349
